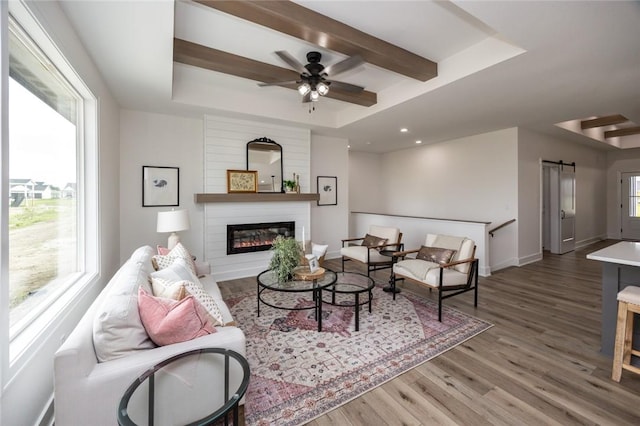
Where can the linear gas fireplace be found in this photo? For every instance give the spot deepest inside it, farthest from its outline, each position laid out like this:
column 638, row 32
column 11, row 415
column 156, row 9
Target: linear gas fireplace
column 250, row 237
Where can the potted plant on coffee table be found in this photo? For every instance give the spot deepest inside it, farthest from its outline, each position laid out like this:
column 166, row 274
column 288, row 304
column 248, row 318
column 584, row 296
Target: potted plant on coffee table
column 286, row 255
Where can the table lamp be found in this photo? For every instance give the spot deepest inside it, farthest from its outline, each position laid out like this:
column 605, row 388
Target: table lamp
column 173, row 221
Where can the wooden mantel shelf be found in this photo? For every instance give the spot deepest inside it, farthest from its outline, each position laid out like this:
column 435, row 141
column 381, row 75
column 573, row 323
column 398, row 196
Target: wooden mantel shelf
column 259, row 197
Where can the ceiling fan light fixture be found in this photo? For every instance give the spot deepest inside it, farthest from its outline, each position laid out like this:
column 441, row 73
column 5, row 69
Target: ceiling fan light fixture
column 322, row 88
column 304, row 88
column 315, row 96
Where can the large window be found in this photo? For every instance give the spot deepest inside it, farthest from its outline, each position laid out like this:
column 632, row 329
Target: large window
column 45, row 178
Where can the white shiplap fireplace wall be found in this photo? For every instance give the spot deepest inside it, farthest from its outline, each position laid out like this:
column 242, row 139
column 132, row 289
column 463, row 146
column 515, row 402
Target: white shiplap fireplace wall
column 225, row 143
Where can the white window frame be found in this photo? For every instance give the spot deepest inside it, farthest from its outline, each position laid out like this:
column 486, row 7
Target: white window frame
column 17, row 354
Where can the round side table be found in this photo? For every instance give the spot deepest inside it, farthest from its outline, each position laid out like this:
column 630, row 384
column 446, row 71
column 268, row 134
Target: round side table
column 192, row 388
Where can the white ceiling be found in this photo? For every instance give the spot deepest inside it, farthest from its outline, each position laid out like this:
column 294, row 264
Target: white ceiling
column 501, row 64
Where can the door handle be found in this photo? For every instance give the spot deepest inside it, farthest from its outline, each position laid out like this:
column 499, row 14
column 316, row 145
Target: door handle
column 561, row 214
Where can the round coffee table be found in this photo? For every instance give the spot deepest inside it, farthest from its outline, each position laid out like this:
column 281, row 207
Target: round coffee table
column 188, row 388
column 268, row 281
column 355, row 284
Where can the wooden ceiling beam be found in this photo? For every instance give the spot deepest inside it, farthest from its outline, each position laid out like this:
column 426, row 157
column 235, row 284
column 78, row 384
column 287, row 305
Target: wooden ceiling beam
column 189, row 53
column 627, row 131
column 297, row 21
column 603, row 121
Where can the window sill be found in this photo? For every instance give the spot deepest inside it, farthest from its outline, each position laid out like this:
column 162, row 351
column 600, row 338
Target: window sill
column 31, row 338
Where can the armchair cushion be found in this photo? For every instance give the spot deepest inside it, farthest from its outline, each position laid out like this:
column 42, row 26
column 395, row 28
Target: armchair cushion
column 389, row 232
column 435, row 254
column 359, row 253
column 373, row 241
column 464, row 248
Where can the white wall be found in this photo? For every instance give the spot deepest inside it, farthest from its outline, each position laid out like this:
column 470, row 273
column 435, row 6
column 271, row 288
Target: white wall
column 149, row 139
column 365, row 181
column 225, row 147
column 472, row 178
column 618, row 161
column 591, row 191
column 330, row 224
column 26, row 397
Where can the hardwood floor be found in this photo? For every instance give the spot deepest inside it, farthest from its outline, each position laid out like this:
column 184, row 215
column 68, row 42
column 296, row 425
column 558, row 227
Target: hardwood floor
column 539, row 365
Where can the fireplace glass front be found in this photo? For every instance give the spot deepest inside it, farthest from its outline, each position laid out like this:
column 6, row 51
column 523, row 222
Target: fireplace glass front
column 250, row 237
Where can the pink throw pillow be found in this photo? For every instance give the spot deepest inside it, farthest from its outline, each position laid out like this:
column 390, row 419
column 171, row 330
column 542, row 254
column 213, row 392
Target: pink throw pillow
column 162, row 251
column 172, row 321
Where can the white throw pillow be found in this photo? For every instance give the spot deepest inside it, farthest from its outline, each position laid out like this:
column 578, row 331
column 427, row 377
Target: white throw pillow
column 319, row 250
column 117, row 328
column 168, row 289
column 178, row 270
column 178, row 252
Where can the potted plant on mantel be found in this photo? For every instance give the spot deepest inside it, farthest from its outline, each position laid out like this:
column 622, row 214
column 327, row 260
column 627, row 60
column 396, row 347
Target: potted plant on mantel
column 290, row 186
column 286, row 255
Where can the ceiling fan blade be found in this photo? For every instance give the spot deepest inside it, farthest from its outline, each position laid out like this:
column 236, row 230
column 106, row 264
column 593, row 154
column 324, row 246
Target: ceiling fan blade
column 278, row 83
column 347, row 87
column 344, row 65
column 292, row 62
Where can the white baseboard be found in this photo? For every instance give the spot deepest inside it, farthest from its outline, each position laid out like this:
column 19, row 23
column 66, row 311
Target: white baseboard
column 530, row 259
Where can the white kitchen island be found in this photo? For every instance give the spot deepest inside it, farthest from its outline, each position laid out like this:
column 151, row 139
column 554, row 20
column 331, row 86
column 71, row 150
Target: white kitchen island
column 620, row 268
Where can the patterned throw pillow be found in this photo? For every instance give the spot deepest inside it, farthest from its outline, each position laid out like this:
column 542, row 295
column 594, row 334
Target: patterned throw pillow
column 179, row 251
column 196, row 290
column 373, row 241
column 435, row 254
column 170, row 321
column 168, row 289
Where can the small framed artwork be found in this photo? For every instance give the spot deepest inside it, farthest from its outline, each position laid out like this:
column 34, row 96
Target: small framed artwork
column 160, row 186
column 242, row 181
column 328, row 190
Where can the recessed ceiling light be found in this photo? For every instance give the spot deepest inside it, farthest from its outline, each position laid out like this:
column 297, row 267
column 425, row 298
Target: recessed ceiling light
column 348, row 146
column 368, row 143
column 404, row 130
column 418, row 142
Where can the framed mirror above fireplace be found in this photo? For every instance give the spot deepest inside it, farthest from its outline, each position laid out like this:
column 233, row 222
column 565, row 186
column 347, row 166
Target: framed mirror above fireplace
column 265, row 156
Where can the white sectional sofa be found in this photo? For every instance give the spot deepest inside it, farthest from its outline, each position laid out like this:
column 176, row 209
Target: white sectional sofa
column 87, row 391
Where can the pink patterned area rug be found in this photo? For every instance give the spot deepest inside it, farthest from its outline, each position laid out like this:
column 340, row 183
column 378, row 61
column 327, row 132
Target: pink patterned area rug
column 298, row 373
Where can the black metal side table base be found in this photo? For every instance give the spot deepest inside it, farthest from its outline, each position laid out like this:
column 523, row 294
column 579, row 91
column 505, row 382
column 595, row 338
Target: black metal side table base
column 389, row 289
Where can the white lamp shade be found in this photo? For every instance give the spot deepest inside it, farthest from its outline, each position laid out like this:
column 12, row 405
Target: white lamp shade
column 173, row 221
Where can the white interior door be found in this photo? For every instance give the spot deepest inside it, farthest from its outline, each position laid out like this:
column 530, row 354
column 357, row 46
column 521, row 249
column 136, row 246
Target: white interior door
column 630, row 221
column 562, row 186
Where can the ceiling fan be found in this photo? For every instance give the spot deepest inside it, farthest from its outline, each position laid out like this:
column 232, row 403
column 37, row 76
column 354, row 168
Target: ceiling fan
column 314, row 77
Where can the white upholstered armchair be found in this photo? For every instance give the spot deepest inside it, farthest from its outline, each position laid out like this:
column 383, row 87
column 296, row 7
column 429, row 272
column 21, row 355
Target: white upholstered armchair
column 366, row 250
column 445, row 263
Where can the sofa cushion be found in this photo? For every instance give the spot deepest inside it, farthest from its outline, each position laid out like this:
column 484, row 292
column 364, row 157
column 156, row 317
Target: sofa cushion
column 179, row 270
column 198, row 292
column 168, row 289
column 178, row 252
column 143, row 255
column 169, row 321
column 212, row 288
column 117, row 328
column 435, row 254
